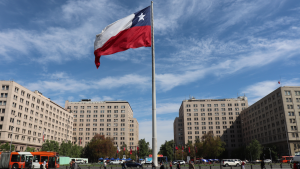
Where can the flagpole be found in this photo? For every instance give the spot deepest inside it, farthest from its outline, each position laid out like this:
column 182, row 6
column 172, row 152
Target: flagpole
column 154, row 139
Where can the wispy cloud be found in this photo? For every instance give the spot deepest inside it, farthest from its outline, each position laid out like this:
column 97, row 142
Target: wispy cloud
column 75, row 85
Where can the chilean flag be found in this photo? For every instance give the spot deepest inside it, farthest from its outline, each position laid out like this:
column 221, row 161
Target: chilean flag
column 133, row 31
column 130, row 150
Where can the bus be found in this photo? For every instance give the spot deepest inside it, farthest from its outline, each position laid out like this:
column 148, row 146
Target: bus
column 17, row 160
column 286, row 159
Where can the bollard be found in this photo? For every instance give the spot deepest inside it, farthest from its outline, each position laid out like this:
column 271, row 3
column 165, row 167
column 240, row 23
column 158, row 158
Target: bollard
column 89, row 167
column 280, row 165
column 251, row 166
column 271, row 166
column 209, row 167
column 230, row 167
column 66, row 167
column 199, row 166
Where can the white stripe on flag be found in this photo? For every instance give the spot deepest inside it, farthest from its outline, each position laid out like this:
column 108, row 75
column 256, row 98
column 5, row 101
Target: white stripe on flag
column 112, row 30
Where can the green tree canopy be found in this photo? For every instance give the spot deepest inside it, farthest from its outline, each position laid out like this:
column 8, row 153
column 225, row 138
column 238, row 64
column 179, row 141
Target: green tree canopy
column 6, row 147
column 30, row 149
column 210, row 146
column 144, row 148
column 166, row 149
column 255, row 149
column 50, row 146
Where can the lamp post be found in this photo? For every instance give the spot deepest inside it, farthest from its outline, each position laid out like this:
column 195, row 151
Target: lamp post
column 12, row 133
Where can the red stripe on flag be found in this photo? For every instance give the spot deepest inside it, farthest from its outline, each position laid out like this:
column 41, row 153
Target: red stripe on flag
column 134, row 37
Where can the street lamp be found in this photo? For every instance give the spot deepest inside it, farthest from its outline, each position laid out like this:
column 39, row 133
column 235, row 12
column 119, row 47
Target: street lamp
column 12, row 133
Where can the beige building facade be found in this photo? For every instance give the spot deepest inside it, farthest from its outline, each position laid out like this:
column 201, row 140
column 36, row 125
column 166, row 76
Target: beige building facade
column 112, row 119
column 274, row 119
column 218, row 116
column 25, row 116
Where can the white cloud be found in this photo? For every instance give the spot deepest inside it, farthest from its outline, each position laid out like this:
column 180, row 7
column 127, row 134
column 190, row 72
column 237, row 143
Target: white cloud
column 74, row 85
column 166, row 108
column 164, row 131
column 104, row 98
column 259, row 90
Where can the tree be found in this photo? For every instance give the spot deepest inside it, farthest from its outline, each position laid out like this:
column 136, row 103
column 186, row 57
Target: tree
column 66, row 149
column 6, row 147
column 274, row 151
column 179, row 154
column 255, row 149
column 30, row 149
column 50, row 146
column 102, row 147
column 210, row 146
column 167, row 149
column 144, row 148
column 76, row 151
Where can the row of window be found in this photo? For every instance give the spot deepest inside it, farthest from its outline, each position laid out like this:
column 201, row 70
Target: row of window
column 96, row 107
column 96, row 111
column 215, row 105
column 96, row 116
column 215, row 109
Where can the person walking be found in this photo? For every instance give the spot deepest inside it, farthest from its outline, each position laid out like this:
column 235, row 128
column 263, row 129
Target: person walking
column 162, row 166
column 105, row 165
column 170, row 164
column 44, row 164
column 243, row 164
column 178, row 165
column 74, row 164
column 262, row 164
column 30, row 164
column 191, row 165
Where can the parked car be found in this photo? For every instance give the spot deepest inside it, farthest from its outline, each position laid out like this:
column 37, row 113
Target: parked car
column 231, row 162
column 79, row 161
column 116, row 162
column 178, row 161
column 268, row 161
column 133, row 164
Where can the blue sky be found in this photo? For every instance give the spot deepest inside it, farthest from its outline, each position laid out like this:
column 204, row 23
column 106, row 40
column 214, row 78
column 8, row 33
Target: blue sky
column 205, row 49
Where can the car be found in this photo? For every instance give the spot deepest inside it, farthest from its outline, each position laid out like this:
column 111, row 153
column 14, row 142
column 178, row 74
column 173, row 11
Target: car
column 116, row 162
column 133, row 164
column 142, row 162
column 231, row 162
column 178, row 161
column 79, row 161
column 268, row 161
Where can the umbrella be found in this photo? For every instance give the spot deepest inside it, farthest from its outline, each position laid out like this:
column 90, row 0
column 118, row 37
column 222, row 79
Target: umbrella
column 216, row 159
column 117, row 159
column 106, row 159
column 112, row 159
column 210, row 159
column 128, row 159
column 203, row 160
column 141, row 159
column 100, row 159
column 123, row 158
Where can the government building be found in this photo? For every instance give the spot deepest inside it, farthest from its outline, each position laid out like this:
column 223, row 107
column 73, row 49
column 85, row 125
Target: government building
column 218, row 116
column 27, row 116
column 112, row 119
column 274, row 120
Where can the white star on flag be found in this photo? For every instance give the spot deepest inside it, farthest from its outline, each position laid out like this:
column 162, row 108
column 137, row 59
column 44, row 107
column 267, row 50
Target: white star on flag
column 141, row 17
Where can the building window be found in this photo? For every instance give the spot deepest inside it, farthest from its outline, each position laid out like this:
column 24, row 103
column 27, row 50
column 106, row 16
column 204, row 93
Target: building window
column 287, row 93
